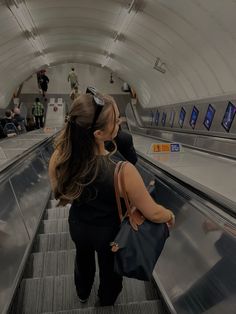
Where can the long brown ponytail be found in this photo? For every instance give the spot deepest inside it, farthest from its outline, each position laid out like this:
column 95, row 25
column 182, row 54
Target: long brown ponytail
column 76, row 165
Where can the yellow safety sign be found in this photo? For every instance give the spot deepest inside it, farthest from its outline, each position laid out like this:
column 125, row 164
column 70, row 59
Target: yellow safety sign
column 165, row 147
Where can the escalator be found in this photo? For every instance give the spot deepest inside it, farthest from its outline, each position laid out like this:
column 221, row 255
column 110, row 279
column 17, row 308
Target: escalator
column 48, row 287
column 182, row 280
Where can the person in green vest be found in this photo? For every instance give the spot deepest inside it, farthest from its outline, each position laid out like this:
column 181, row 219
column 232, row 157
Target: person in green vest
column 37, row 112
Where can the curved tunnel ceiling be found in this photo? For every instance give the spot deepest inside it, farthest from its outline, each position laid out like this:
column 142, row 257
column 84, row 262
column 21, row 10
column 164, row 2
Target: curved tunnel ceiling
column 194, row 41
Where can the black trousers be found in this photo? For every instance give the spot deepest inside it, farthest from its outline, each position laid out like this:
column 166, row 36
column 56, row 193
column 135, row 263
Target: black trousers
column 39, row 122
column 89, row 239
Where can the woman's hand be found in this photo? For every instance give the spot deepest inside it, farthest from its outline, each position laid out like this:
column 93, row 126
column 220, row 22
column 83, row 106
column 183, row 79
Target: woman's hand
column 171, row 222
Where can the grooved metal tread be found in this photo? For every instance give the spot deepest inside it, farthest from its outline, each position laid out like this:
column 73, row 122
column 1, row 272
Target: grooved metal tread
column 53, row 203
column 56, row 213
column 52, row 294
column 149, row 307
column 48, row 284
column 54, row 226
column 52, row 263
column 53, row 242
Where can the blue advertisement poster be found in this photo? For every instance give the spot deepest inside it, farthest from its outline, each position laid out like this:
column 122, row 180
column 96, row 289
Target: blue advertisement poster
column 193, row 118
column 228, row 116
column 175, row 147
column 182, row 117
column 209, row 117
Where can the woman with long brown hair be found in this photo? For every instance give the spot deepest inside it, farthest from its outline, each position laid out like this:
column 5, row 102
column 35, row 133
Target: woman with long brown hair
column 81, row 173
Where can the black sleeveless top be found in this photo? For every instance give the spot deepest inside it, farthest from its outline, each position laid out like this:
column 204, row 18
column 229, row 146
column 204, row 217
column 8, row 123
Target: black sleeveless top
column 97, row 203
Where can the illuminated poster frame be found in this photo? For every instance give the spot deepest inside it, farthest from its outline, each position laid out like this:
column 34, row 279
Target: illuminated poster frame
column 194, row 117
column 228, row 116
column 182, row 115
column 209, row 117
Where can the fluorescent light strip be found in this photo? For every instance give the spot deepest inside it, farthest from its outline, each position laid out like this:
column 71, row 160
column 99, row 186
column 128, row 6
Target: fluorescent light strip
column 123, row 27
column 24, row 19
column 125, row 23
column 36, row 44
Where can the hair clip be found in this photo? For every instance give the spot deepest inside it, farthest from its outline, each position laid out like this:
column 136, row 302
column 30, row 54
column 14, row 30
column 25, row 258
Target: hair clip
column 68, row 119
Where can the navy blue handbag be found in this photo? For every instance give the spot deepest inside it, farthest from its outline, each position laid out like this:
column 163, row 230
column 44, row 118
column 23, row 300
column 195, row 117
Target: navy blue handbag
column 136, row 252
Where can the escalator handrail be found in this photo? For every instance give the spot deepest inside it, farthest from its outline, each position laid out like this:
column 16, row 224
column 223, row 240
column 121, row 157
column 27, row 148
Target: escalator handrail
column 4, row 168
column 219, row 206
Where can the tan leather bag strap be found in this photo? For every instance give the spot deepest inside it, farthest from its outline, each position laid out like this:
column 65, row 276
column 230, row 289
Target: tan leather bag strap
column 123, row 188
column 117, row 170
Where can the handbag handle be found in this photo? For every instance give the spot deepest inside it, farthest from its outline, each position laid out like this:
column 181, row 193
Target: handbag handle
column 117, row 169
column 120, row 169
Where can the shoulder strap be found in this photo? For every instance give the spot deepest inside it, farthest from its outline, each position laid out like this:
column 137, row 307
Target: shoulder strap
column 117, row 169
column 123, row 188
column 120, row 170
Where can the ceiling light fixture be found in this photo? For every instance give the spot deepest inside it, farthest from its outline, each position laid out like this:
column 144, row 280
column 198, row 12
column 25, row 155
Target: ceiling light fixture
column 24, row 19
column 130, row 12
column 22, row 15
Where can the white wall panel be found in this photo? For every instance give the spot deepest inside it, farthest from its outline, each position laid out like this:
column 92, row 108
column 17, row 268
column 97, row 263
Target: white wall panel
column 213, row 38
column 181, row 43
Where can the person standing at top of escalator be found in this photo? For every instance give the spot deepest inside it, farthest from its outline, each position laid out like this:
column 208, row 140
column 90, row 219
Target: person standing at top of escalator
column 75, row 93
column 43, row 81
column 73, row 79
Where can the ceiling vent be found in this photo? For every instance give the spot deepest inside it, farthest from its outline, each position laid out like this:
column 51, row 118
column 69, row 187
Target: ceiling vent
column 160, row 66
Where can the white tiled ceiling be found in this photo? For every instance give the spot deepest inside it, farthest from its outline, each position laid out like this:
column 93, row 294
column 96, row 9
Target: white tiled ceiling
column 194, row 39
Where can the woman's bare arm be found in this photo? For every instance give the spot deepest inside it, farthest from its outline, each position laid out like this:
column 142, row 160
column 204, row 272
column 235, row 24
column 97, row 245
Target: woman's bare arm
column 140, row 198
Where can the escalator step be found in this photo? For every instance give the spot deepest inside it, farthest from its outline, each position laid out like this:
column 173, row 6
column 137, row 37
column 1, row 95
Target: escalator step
column 50, row 264
column 57, row 213
column 150, row 307
column 54, row 226
column 51, row 294
column 52, row 203
column 39, row 300
column 53, row 242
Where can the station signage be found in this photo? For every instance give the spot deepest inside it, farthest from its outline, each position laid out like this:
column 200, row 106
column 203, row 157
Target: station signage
column 165, row 148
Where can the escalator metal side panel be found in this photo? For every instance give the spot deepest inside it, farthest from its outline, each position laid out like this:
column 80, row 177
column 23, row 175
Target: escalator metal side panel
column 31, row 186
column 24, row 192
column 13, row 240
column 197, row 269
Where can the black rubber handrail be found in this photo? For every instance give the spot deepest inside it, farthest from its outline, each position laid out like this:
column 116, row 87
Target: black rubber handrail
column 8, row 165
